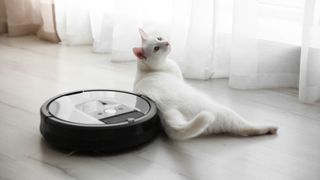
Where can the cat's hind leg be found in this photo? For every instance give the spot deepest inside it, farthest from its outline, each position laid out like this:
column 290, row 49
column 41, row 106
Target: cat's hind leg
column 177, row 127
column 228, row 121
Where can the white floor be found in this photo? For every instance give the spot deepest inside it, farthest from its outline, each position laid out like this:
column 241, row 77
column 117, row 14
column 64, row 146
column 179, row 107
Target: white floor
column 31, row 71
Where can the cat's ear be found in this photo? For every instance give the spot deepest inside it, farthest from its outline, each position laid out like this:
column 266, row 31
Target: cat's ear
column 143, row 34
column 138, row 51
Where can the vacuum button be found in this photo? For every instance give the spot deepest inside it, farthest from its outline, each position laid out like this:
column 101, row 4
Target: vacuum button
column 130, row 120
column 110, row 111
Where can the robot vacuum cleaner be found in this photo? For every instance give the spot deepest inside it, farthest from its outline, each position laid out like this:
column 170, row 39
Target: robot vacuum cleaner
column 93, row 120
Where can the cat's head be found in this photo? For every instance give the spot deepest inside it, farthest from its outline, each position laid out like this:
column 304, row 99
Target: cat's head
column 154, row 49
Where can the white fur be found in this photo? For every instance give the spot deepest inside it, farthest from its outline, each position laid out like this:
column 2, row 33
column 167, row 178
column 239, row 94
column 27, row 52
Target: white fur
column 185, row 112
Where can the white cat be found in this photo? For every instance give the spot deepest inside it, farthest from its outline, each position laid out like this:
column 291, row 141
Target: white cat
column 184, row 112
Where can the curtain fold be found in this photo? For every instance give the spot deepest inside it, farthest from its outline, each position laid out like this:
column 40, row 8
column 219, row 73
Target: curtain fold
column 25, row 17
column 200, row 40
column 73, row 22
column 254, row 43
column 3, row 18
column 127, row 20
column 309, row 85
column 244, row 53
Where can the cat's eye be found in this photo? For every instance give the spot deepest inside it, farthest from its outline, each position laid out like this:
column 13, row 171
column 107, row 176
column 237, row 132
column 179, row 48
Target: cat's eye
column 156, row 48
column 159, row 38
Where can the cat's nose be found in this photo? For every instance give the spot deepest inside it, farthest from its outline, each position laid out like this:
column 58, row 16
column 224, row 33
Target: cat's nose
column 166, row 44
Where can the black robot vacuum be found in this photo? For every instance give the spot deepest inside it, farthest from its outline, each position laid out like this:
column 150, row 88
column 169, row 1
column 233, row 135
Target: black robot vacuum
column 94, row 120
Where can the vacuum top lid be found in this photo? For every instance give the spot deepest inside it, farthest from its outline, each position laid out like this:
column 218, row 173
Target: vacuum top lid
column 99, row 107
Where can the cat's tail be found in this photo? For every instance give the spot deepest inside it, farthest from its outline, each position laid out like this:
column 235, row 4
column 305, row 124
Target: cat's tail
column 177, row 127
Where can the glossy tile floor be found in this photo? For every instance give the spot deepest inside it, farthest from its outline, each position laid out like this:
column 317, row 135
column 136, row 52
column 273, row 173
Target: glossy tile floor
column 31, row 71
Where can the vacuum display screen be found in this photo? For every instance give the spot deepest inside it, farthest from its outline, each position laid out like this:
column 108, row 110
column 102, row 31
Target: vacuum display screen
column 99, row 107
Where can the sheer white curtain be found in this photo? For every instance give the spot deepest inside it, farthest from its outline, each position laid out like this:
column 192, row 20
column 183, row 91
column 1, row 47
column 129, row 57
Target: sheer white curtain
column 255, row 43
column 309, row 85
column 112, row 27
column 276, row 44
column 265, row 49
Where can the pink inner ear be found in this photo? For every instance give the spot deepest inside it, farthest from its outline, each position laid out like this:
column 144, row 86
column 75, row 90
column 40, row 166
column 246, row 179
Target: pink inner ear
column 139, row 52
